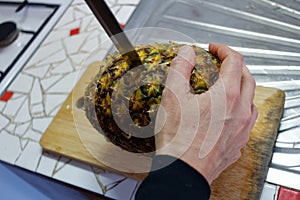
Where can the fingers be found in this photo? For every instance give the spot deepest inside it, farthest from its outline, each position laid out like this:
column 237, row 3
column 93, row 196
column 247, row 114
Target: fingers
column 254, row 115
column 249, row 126
column 180, row 71
column 247, row 86
column 247, row 95
column 231, row 68
column 177, row 86
column 238, row 83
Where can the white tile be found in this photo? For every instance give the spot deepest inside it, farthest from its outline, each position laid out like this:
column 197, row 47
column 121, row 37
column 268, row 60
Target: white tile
column 17, row 95
column 32, row 135
column 79, row 174
column 66, row 18
column 111, row 3
column 57, row 35
column 124, row 13
column 30, row 156
column 3, row 121
column 11, row 127
column 79, row 14
column 13, row 105
column 22, row 128
column 77, row 2
column 109, row 178
column 50, row 81
column 36, row 95
column 269, row 192
column 62, row 68
column 9, row 148
column 94, row 25
column 58, row 56
column 61, row 162
column 130, row 2
column 22, row 83
column 47, row 163
column 123, row 190
column 105, row 42
column 37, row 108
column 2, row 105
column 37, row 71
column 83, row 8
column 79, row 59
column 23, row 115
column 86, row 22
column 53, row 101
column 74, row 43
column 23, row 143
column 97, row 33
column 41, row 124
column 71, row 25
column 115, row 9
column 101, row 55
column 54, row 112
column 64, row 85
column 84, row 60
column 90, row 44
column 45, row 51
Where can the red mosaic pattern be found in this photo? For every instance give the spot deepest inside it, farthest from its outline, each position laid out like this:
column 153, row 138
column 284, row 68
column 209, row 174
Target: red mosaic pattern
column 288, row 194
column 122, row 26
column 6, row 96
column 74, row 31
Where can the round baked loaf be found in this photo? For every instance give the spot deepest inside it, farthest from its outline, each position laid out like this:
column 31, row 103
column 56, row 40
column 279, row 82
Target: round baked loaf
column 122, row 101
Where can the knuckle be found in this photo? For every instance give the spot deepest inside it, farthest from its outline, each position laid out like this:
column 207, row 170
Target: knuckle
column 252, row 81
column 245, row 140
column 255, row 112
column 236, row 157
column 238, row 56
column 246, row 117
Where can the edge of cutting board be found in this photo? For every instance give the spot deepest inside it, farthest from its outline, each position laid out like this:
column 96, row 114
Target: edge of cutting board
column 242, row 180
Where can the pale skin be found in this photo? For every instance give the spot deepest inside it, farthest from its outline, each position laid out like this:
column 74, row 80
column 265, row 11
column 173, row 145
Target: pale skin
column 206, row 131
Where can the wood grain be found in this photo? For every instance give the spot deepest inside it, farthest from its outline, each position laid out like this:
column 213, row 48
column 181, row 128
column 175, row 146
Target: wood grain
column 245, row 178
column 70, row 134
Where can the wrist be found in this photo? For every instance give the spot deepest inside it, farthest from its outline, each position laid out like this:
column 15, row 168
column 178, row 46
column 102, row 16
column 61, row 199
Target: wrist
column 200, row 165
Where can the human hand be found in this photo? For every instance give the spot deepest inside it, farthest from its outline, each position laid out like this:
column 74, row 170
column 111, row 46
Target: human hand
column 206, row 131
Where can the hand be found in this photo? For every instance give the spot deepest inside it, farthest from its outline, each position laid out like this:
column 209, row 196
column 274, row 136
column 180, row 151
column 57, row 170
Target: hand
column 206, row 131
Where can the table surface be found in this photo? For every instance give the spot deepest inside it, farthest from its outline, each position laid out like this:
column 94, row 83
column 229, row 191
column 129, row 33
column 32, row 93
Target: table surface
column 37, row 93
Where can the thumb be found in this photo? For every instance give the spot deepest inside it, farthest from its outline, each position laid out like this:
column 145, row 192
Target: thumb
column 178, row 79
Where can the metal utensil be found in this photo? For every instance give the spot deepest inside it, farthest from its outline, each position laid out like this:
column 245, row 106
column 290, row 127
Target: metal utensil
column 114, row 31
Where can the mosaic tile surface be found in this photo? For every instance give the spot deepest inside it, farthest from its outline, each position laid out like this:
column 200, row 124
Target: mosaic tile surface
column 35, row 96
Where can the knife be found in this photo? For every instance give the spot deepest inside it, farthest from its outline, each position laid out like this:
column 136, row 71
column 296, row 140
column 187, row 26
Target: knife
column 114, row 31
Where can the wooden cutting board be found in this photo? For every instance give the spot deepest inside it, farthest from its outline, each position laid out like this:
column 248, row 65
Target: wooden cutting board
column 242, row 180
